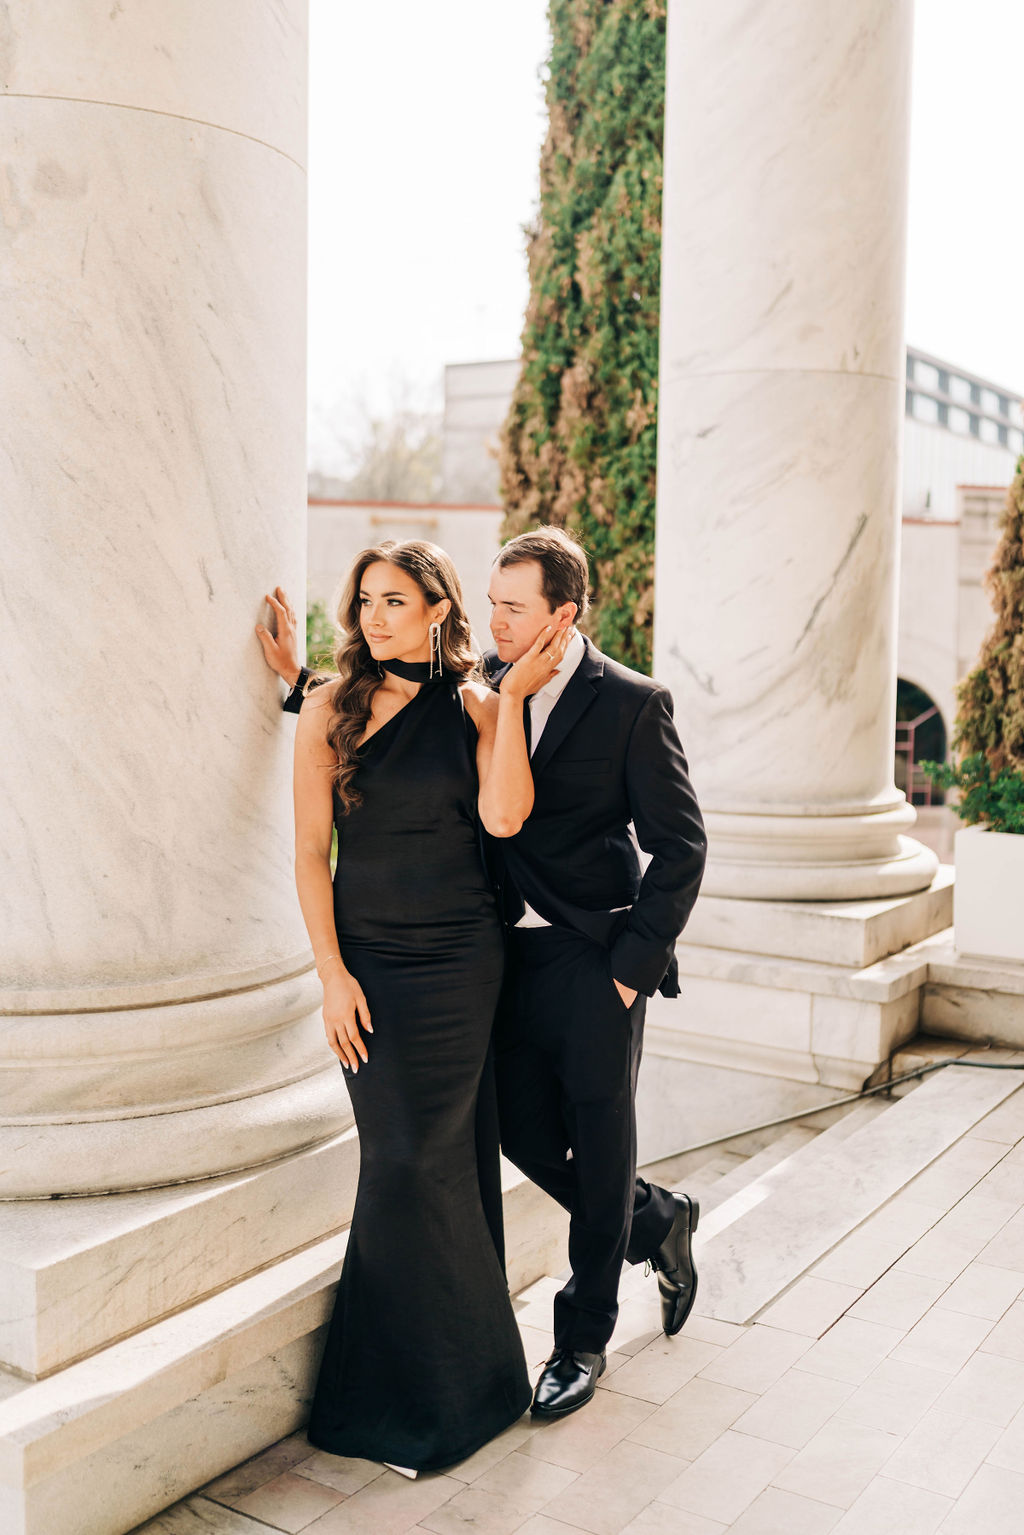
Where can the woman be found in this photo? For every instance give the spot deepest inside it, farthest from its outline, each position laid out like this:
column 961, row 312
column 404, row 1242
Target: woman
column 423, row 1361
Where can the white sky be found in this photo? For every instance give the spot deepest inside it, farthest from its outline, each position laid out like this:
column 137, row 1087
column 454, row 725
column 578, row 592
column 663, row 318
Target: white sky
column 426, row 121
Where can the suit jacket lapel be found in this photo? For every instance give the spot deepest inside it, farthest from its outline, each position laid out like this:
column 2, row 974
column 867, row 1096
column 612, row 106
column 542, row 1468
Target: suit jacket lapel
column 580, row 692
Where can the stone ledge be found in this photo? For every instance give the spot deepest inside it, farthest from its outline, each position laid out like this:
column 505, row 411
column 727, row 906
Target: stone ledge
column 75, row 1274
column 850, row 933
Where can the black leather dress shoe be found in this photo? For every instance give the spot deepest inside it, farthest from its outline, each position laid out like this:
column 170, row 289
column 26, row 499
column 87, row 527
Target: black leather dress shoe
column 677, row 1276
column 569, row 1381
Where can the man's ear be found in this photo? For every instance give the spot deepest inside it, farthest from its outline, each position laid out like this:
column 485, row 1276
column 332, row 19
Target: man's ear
column 564, row 615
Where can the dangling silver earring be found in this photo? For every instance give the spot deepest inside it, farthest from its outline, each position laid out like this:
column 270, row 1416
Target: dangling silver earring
column 435, row 649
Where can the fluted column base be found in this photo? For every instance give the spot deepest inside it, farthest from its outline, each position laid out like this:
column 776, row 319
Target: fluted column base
column 816, row 857
column 143, row 1089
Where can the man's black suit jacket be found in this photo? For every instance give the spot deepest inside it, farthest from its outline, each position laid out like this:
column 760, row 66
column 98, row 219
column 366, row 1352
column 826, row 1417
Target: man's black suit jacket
column 609, row 755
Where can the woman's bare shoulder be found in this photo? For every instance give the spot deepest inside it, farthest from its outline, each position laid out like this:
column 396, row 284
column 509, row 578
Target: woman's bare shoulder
column 480, row 700
column 320, row 697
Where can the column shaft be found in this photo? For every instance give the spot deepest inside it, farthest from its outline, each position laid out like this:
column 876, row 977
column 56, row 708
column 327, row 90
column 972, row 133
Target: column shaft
column 158, row 1019
column 780, row 416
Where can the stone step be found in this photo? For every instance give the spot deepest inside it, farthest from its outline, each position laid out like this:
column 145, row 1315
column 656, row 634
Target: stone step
column 754, row 1190
column 755, row 1245
column 737, row 1178
column 105, row 1443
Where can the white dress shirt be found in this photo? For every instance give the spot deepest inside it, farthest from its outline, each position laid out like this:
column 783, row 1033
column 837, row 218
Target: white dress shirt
column 541, row 705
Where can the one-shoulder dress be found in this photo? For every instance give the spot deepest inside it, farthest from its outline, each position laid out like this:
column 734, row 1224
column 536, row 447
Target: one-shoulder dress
column 423, row 1362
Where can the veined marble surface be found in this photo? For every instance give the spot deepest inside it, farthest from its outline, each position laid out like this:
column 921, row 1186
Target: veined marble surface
column 152, row 424
column 238, row 64
column 781, row 403
column 152, row 485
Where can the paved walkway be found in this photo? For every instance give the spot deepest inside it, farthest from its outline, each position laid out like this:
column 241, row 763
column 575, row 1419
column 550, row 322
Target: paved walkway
column 882, row 1395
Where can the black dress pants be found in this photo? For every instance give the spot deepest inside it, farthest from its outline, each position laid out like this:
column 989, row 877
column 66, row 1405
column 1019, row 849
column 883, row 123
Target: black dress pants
column 567, row 1055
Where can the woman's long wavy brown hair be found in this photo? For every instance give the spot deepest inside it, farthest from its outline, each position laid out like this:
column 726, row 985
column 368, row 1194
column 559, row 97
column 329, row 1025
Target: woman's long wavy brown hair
column 359, row 676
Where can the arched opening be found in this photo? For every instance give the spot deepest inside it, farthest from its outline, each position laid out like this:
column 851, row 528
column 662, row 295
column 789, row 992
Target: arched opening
column 920, row 737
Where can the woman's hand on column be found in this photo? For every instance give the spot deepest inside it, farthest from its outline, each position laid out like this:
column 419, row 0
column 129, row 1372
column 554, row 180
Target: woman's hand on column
column 281, row 650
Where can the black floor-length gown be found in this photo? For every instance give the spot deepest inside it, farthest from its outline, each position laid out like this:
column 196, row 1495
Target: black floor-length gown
column 423, row 1362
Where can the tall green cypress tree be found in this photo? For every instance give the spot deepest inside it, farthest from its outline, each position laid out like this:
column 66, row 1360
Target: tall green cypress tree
column 578, row 446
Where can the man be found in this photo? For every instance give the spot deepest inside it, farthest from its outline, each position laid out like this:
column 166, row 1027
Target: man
column 591, row 940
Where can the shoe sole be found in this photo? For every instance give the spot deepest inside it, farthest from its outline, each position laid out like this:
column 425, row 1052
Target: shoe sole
column 563, row 1412
column 694, row 1218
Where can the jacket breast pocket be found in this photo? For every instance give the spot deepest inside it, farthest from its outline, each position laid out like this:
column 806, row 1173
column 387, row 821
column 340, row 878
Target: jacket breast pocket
column 580, row 767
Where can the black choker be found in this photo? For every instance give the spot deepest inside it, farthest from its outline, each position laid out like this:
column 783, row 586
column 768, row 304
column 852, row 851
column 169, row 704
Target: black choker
column 411, row 671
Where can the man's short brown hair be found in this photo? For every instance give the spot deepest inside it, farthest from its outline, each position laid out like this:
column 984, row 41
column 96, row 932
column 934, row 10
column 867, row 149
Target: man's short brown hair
column 564, row 573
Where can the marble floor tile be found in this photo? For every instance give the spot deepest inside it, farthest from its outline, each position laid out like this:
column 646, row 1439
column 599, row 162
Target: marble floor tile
column 289, row 1502
column 537, row 1345
column 341, row 1472
column 983, row 1290
column 476, row 1512
column 851, row 1350
column 895, row 1508
column 1005, row 1124
column 664, row 1365
column 529, row 1481
column 198, row 1516
column 956, row 1172
column 1006, row 1249
column 514, row 1438
column 786, row 1513
column 1008, row 1450
column 540, row 1524
column 838, row 1463
column 757, row 1360
column 727, row 1478
column 251, row 1474
column 608, row 1496
column 990, row 1387
column 585, row 1437
column 898, row 1299
column 867, row 1253
column 811, row 1306
column 943, row 1452
column 691, row 1420
column 991, row 1505
column 707, row 1329
column 943, row 1340
column 1004, row 1180
column 391, row 1505
column 895, row 1396
column 793, row 1410
column 638, row 1323
column 660, row 1519
column 533, row 1306
column 1007, row 1336
column 958, row 1239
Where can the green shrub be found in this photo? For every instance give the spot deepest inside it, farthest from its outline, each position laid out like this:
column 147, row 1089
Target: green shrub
column 319, row 637
column 579, row 445
column 990, row 717
column 997, row 801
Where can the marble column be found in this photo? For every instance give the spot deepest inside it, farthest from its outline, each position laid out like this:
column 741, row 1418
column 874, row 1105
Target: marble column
column 780, row 415
column 158, row 1016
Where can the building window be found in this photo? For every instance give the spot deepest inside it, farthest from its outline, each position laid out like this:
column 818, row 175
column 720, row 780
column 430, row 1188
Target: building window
column 1016, row 443
column 960, row 389
column 959, row 420
column 924, row 409
column 988, row 431
column 926, row 375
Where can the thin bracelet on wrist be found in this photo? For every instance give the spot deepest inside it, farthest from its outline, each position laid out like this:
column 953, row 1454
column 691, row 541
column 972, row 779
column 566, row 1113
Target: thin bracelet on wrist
column 322, row 966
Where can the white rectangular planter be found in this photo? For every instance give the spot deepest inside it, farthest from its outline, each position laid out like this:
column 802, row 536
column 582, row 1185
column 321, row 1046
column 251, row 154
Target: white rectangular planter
column 988, row 898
